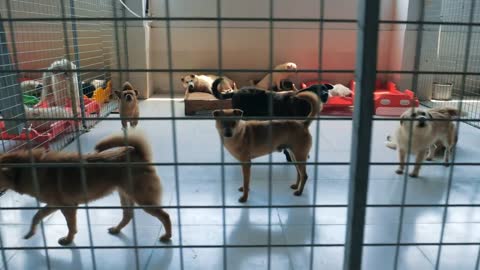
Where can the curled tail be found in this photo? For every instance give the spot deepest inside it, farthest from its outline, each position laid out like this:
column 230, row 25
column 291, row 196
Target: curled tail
column 390, row 143
column 314, row 105
column 448, row 110
column 134, row 139
column 217, row 93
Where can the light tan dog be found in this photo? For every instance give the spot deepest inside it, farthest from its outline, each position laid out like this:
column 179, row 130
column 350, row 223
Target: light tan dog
column 203, row 83
column 128, row 103
column 277, row 77
column 425, row 134
column 63, row 186
column 247, row 140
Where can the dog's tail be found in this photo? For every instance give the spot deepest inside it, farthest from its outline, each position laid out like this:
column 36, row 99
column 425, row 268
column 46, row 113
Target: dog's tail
column 390, row 144
column 133, row 139
column 311, row 98
column 453, row 112
column 217, row 93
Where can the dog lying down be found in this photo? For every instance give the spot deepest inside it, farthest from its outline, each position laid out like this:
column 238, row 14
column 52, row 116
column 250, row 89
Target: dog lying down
column 247, row 140
column 62, row 186
column 426, row 135
column 255, row 102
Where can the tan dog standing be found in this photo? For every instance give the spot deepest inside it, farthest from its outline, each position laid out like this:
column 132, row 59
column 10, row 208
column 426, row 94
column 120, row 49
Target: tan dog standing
column 128, row 104
column 247, row 140
column 277, row 77
column 425, row 135
column 63, row 186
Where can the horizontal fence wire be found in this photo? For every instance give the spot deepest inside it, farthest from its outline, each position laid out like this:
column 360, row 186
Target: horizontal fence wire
column 227, row 206
column 173, row 246
column 240, row 19
column 238, row 70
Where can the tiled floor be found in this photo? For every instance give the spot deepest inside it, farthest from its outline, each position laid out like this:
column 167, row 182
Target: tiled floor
column 197, row 141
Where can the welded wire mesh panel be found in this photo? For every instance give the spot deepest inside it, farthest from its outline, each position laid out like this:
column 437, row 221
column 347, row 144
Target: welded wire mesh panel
column 52, row 45
column 444, row 50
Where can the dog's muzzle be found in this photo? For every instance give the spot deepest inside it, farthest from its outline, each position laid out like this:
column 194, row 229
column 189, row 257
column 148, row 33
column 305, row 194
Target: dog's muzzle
column 191, row 85
column 422, row 121
column 324, row 96
column 227, row 133
column 128, row 98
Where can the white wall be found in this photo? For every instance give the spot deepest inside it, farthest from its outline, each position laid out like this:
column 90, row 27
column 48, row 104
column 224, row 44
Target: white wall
column 246, row 44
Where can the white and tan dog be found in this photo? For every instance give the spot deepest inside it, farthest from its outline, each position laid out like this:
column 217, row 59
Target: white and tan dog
column 276, row 78
column 425, row 135
column 202, row 83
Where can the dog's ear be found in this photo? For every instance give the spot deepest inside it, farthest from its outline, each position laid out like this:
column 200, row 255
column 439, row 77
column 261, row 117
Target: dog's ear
column 237, row 112
column 192, row 76
column 403, row 116
column 217, row 113
column 136, row 92
column 182, row 79
column 328, row 86
column 118, row 93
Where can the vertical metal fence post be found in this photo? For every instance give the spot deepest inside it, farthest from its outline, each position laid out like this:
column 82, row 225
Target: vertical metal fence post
column 76, row 52
column 81, row 164
column 125, row 43
column 117, row 43
column 366, row 65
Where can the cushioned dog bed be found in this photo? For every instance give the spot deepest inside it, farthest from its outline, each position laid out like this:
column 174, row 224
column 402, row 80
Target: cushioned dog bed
column 201, row 101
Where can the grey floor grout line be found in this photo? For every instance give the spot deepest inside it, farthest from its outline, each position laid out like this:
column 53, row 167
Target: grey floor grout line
column 425, row 255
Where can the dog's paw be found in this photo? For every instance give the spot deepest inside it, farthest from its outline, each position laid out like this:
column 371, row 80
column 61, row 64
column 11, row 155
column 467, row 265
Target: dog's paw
column 446, row 164
column 165, row 238
column 297, row 193
column 64, row 241
column 414, row 175
column 28, row 235
column 429, row 159
column 398, row 171
column 243, row 199
column 113, row 230
column 294, row 186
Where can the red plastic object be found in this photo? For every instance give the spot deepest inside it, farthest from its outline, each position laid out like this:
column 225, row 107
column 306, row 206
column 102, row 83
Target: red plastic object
column 44, row 138
column 334, row 102
column 91, row 106
column 54, row 130
column 389, row 101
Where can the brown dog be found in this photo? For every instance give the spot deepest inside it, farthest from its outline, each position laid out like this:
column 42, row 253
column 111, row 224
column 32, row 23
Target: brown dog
column 128, row 105
column 424, row 135
column 247, row 140
column 63, row 186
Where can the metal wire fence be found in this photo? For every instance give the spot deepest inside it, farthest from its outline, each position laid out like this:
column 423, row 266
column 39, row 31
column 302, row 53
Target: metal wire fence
column 93, row 35
column 33, row 45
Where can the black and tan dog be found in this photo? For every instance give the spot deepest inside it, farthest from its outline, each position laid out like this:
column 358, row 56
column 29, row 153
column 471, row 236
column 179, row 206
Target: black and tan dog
column 62, row 188
column 255, row 101
column 247, row 140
